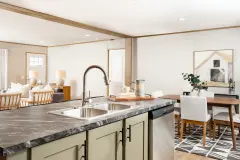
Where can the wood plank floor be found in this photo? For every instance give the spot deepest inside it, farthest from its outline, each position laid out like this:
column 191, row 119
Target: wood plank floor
column 188, row 156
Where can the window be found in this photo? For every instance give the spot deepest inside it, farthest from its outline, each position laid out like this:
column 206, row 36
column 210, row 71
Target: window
column 36, row 61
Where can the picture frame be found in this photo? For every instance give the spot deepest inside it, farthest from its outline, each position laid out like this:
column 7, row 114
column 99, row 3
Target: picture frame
column 216, row 67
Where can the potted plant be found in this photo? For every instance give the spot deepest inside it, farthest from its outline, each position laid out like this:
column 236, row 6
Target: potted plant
column 195, row 82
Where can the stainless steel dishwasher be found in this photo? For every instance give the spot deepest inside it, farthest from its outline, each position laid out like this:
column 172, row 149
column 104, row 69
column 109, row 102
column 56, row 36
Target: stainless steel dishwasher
column 161, row 134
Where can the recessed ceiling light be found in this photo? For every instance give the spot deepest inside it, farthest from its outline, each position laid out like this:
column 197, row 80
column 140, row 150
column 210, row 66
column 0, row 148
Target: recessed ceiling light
column 181, row 19
column 87, row 35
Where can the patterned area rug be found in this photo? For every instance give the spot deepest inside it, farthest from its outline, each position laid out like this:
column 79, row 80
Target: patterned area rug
column 220, row 148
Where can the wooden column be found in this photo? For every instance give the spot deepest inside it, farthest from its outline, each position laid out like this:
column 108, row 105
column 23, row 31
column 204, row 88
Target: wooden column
column 128, row 61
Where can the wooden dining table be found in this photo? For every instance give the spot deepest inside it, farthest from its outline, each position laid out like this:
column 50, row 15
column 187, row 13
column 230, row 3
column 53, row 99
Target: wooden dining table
column 223, row 102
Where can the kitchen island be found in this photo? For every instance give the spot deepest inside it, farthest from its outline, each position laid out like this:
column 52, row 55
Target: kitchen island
column 33, row 134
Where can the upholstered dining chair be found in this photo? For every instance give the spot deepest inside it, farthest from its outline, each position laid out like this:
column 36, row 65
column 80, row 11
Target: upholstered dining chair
column 194, row 111
column 177, row 114
column 222, row 118
column 10, row 100
column 157, row 94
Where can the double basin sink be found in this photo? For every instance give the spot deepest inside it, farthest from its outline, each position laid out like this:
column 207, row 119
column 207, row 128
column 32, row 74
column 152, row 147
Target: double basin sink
column 91, row 111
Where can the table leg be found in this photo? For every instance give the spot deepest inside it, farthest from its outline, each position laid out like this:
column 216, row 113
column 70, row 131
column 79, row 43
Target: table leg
column 232, row 126
column 236, row 109
column 3, row 158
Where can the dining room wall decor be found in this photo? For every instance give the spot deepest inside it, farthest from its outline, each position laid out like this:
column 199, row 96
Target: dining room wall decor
column 214, row 66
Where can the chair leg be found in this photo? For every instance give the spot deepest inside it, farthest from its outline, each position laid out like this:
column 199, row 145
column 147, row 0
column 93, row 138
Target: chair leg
column 182, row 129
column 219, row 128
column 214, row 130
column 210, row 128
column 189, row 129
column 178, row 119
column 185, row 128
column 204, row 133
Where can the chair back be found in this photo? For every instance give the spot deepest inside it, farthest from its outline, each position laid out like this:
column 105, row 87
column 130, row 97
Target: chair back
column 157, row 94
column 194, row 108
column 207, row 94
column 10, row 100
column 42, row 97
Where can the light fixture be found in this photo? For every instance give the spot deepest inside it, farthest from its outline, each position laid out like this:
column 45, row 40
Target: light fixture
column 87, row 35
column 181, row 19
column 60, row 76
column 33, row 75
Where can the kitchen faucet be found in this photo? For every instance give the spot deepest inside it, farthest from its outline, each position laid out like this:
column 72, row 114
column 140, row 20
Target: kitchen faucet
column 84, row 101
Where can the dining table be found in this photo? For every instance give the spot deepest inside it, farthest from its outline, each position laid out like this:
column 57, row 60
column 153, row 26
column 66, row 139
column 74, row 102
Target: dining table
column 223, row 102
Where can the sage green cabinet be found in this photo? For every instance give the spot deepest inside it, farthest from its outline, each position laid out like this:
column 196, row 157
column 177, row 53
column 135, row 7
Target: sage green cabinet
column 123, row 140
column 69, row 148
column 19, row 156
column 136, row 144
column 105, row 143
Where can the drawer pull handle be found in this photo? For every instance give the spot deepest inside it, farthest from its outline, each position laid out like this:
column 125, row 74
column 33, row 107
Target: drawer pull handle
column 130, row 133
column 85, row 151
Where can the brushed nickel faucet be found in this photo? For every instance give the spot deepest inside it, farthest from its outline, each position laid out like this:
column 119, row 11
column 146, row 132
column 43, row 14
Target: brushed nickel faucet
column 84, row 101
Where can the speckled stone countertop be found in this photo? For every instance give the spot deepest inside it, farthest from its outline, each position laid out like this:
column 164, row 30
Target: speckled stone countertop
column 33, row 126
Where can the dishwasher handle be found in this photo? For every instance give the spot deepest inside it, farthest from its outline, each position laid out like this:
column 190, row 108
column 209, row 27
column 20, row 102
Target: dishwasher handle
column 161, row 112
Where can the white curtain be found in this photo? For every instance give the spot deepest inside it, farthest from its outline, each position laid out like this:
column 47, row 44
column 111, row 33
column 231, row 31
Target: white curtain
column 3, row 68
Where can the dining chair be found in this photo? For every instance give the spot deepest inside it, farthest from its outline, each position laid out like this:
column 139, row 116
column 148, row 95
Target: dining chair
column 157, row 94
column 222, row 118
column 177, row 113
column 194, row 111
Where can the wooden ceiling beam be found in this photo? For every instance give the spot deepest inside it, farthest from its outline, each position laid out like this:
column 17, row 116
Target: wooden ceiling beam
column 40, row 15
column 190, row 31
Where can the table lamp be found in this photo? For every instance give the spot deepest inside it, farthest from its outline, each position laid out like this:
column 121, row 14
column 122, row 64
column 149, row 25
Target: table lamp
column 33, row 75
column 60, row 76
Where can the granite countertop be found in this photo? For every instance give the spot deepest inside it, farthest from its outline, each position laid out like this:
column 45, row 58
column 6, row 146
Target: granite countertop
column 33, row 126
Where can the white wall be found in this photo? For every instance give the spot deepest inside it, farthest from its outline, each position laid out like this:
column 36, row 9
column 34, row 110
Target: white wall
column 16, row 59
column 162, row 59
column 74, row 59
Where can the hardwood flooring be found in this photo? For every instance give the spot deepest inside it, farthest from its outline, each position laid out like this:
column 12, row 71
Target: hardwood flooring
column 188, row 156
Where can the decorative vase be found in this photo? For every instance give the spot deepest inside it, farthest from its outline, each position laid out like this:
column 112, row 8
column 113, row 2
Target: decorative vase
column 33, row 81
column 60, row 82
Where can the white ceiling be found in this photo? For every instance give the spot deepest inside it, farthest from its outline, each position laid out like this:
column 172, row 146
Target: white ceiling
column 29, row 30
column 142, row 17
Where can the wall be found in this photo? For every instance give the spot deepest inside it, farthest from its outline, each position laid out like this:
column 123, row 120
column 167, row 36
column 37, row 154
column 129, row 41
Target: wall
column 162, row 59
column 74, row 59
column 16, row 59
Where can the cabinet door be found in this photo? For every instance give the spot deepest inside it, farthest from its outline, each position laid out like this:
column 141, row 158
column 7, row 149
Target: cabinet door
column 105, row 143
column 136, row 146
column 18, row 156
column 70, row 148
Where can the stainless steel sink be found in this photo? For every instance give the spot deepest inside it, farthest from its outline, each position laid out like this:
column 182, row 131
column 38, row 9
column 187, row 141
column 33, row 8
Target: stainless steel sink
column 85, row 113
column 92, row 111
column 111, row 106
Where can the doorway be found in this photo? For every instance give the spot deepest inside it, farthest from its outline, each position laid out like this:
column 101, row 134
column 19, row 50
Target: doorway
column 37, row 62
column 116, row 71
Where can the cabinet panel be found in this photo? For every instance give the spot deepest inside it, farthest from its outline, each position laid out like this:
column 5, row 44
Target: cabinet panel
column 136, row 129
column 70, row 148
column 105, row 143
column 18, row 156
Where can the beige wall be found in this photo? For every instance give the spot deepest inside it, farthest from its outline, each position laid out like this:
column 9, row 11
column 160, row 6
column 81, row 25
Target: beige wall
column 161, row 60
column 16, row 59
column 75, row 59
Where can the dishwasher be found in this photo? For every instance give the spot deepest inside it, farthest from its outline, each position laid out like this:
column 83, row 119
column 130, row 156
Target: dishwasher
column 161, row 134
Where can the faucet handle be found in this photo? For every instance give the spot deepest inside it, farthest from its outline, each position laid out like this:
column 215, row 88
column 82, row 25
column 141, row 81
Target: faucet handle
column 89, row 97
column 89, row 100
